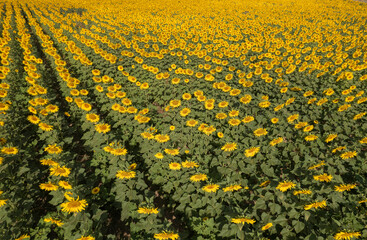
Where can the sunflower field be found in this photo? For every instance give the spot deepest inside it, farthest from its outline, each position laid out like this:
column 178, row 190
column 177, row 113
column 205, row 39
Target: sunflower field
column 195, row 119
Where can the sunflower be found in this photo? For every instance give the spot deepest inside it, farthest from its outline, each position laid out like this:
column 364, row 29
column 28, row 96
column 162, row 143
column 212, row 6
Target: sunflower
column 45, row 126
column 3, row 202
column 161, row 138
column 322, row 163
column 248, row 119
column 347, row 235
column 65, row 185
column 126, row 102
column 264, row 104
column 320, row 204
column 103, row 128
column 234, row 122
column 192, row 123
column 57, row 222
column 323, row 177
column 73, row 205
column 308, row 128
column 189, row 164
column 243, row 220
column 267, row 226
column 186, row 96
column 175, row 166
column 260, row 132
column 344, row 107
column 48, row 162
column 198, row 177
column 311, row 137
column 210, row 188
column 246, row 99
column 95, row 190
column 48, row 186
column 252, row 151
column 331, row 137
column 359, row 115
column 363, row 141
column 276, row 141
column 232, row 188
column 348, row 155
column 284, row 186
column 159, row 155
column 166, row 236
column 9, row 150
column 223, row 104
column 175, row 103
column 172, row 152
column 125, row 174
column 274, row 120
column 292, row 118
column 229, row 147
column 145, row 210
column 184, row 112
column 92, row 117
column 303, row 191
column 345, row 187
column 24, row 236
column 60, row 171
column 53, row 149
column 33, row 119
